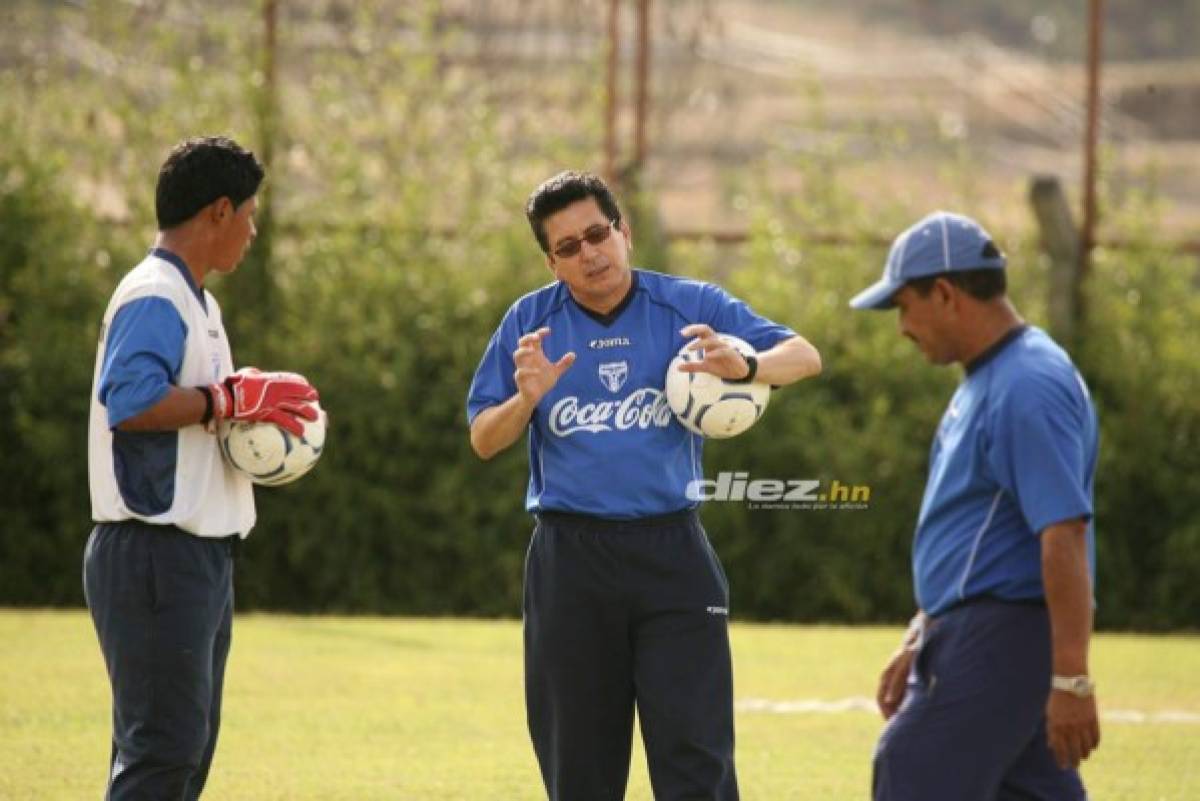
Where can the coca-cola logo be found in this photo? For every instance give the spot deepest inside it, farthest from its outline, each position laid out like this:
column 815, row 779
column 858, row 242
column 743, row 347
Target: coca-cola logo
column 642, row 409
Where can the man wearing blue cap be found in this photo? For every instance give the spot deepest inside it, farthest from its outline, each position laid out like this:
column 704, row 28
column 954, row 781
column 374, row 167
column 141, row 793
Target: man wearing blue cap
column 989, row 698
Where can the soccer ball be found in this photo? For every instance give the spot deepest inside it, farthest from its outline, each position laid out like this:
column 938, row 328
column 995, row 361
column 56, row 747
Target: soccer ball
column 269, row 455
column 710, row 406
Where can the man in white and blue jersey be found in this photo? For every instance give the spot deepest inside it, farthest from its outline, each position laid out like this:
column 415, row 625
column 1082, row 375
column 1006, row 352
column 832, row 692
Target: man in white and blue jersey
column 626, row 604
column 158, row 573
column 989, row 697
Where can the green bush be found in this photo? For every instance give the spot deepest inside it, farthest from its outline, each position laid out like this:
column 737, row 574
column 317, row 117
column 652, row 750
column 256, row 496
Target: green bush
column 382, row 270
column 1139, row 354
column 870, row 417
column 401, row 516
column 53, row 263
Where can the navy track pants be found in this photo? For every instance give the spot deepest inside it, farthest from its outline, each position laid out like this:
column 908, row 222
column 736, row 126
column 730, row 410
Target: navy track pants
column 162, row 603
column 625, row 614
column 973, row 725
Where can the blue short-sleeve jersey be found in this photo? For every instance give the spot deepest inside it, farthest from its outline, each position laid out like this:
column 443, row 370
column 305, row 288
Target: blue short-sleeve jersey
column 603, row 441
column 1015, row 452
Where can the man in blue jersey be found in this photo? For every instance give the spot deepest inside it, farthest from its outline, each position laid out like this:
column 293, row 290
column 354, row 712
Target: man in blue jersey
column 625, row 600
column 989, row 697
column 158, row 573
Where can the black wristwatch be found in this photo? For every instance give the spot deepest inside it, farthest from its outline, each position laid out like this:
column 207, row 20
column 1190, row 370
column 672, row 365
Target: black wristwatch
column 752, row 363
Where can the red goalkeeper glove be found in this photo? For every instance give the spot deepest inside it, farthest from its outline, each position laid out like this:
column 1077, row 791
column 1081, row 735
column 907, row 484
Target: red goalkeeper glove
column 253, row 396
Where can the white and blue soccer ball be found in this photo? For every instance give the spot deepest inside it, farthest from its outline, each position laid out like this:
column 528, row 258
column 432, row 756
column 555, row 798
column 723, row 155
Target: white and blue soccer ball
column 711, row 406
column 267, row 454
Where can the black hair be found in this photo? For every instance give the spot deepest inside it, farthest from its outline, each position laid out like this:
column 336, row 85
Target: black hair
column 201, row 170
column 982, row 284
column 568, row 187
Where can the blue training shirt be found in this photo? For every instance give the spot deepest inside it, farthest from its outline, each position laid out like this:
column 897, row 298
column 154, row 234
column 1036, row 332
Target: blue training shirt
column 1015, row 452
column 603, row 441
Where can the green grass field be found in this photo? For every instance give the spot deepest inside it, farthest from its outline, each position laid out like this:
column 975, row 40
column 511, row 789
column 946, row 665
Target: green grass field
column 367, row 708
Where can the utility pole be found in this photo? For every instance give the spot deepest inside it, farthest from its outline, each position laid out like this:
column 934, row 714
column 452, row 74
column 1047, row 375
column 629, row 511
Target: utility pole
column 251, row 290
column 1091, row 135
column 610, row 95
column 643, row 86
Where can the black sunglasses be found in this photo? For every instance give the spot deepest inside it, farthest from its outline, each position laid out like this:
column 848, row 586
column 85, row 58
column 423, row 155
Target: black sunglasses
column 593, row 236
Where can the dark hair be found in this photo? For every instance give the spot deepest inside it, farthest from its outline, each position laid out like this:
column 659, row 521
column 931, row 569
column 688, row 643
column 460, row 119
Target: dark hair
column 982, row 284
column 199, row 171
column 561, row 191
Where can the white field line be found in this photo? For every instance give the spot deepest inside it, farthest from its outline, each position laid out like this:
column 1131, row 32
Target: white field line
column 861, row 703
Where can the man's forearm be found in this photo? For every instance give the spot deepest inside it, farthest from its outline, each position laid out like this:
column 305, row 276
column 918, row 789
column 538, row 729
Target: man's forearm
column 179, row 408
column 498, row 427
column 1068, row 595
column 788, row 362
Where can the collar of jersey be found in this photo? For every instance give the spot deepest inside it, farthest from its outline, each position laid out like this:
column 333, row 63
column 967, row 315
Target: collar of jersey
column 611, row 317
column 995, row 348
column 179, row 264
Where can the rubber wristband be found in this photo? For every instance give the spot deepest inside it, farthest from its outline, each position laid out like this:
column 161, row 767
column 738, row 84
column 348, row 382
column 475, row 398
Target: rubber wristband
column 208, row 406
column 752, row 363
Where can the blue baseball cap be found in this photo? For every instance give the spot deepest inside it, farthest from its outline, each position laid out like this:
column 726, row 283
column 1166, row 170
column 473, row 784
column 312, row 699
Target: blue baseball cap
column 942, row 242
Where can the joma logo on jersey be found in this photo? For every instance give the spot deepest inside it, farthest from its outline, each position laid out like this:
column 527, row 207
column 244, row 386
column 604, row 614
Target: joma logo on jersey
column 643, row 409
column 610, row 342
column 613, row 375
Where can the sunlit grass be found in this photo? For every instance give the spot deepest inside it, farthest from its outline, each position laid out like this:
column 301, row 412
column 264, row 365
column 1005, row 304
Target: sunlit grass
column 369, row 708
